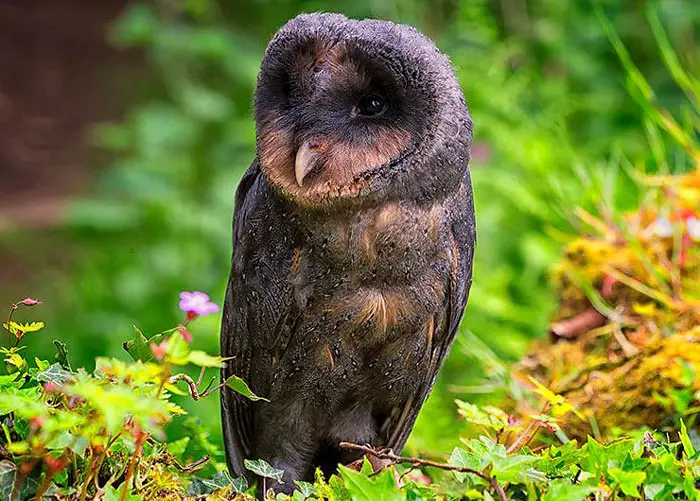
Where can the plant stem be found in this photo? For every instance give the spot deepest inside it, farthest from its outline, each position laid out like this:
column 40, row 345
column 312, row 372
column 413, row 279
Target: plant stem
column 44, row 486
column 132, row 466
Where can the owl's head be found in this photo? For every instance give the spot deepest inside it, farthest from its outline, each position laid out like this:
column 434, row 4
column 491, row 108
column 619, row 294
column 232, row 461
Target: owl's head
column 352, row 111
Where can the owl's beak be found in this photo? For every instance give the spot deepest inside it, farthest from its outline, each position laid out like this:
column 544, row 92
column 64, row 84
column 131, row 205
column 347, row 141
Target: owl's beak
column 307, row 156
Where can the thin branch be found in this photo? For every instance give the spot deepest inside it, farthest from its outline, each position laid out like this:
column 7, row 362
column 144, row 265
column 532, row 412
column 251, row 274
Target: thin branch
column 201, row 377
column 574, row 327
column 524, row 435
column 388, row 454
column 193, row 387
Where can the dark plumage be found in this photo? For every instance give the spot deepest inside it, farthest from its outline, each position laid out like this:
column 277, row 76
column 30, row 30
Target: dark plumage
column 353, row 242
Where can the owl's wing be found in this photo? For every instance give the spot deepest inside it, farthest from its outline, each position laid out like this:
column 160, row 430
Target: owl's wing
column 258, row 302
column 461, row 249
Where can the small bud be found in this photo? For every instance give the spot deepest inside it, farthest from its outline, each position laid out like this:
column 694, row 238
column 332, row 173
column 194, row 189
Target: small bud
column 50, row 387
column 36, row 422
column 55, row 464
column 187, row 335
column 30, row 302
column 159, row 350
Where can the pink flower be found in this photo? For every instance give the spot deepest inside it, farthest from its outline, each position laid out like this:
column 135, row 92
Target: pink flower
column 196, row 304
column 30, row 302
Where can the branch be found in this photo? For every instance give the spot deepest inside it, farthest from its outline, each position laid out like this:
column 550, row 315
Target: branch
column 388, row 454
column 583, row 322
column 193, row 388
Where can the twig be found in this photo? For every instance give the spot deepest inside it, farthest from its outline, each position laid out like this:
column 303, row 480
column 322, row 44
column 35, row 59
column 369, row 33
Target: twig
column 201, row 377
column 583, row 322
column 193, row 387
column 388, row 454
column 172, row 460
column 525, row 434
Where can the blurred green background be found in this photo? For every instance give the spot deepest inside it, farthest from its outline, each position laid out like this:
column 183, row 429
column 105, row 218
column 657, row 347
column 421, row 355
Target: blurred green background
column 554, row 118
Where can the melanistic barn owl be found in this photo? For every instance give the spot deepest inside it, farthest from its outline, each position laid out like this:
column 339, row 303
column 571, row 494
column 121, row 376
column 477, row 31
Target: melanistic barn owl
column 353, row 241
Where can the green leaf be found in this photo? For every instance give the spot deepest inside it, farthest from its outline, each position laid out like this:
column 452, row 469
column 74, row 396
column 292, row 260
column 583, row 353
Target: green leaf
column 263, row 469
column 688, row 448
column 178, row 350
column 42, row 365
column 138, row 347
column 305, row 488
column 203, row 486
column 460, row 457
column 19, row 328
column 177, row 448
column 561, row 490
column 66, row 440
column 378, row 488
column 9, row 381
column 628, row 481
column 8, row 472
column 201, row 359
column 112, row 494
column 62, row 354
column 54, row 374
column 240, row 386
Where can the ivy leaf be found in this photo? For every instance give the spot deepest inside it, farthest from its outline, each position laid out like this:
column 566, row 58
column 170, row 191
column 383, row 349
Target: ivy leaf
column 66, row 440
column 204, row 486
column 239, row 485
column 8, row 472
column 112, row 494
column 62, row 354
column 240, row 386
column 460, row 457
column 628, row 481
column 306, row 489
column 264, row 469
column 378, row 488
column 561, row 490
column 54, row 374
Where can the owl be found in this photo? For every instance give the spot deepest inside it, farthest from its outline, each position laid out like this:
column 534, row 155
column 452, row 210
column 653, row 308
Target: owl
column 353, row 240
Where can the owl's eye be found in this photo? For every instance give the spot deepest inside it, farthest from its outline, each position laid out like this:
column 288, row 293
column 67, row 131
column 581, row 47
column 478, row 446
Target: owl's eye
column 371, row 105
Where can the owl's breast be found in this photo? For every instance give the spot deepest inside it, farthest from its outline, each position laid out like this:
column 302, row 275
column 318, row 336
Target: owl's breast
column 386, row 245
column 382, row 271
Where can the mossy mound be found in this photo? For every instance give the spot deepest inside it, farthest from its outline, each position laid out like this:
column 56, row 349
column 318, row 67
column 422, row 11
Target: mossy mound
column 624, row 348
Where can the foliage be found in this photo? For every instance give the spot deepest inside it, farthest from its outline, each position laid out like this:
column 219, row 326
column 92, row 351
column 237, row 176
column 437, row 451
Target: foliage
column 82, row 435
column 625, row 341
column 538, row 78
column 75, row 435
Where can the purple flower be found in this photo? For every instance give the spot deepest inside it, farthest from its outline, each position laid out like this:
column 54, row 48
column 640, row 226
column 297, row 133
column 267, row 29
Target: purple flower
column 197, row 304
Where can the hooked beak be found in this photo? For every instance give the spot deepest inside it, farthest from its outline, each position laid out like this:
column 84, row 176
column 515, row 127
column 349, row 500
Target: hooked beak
column 306, row 158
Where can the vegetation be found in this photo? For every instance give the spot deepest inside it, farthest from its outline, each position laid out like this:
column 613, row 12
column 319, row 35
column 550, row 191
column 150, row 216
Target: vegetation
column 588, row 196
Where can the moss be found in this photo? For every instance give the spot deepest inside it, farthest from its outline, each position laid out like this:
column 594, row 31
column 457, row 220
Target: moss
column 625, row 346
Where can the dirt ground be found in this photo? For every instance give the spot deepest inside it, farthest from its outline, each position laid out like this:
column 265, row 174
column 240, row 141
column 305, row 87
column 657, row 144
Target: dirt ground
column 57, row 76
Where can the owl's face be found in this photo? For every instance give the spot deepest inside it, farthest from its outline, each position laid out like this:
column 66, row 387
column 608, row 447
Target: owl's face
column 341, row 104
